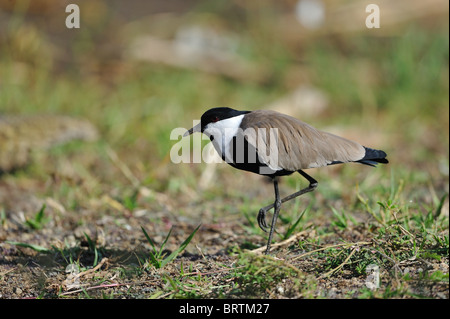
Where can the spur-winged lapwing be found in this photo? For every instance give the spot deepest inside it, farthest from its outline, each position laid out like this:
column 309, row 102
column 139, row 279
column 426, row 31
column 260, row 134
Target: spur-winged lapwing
column 274, row 144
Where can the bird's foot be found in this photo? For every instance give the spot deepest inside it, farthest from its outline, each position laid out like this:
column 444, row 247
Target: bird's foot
column 262, row 219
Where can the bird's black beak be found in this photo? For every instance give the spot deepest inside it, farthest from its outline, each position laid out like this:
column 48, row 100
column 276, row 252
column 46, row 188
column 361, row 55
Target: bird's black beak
column 197, row 128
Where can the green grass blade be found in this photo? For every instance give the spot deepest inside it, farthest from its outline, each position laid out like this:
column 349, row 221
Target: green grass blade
column 164, row 242
column 439, row 207
column 39, row 219
column 93, row 248
column 175, row 253
column 40, row 215
column 149, row 239
column 34, row 247
column 152, row 255
column 294, row 226
column 341, row 219
column 154, row 261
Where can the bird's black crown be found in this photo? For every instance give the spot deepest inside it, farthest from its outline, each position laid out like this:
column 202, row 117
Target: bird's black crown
column 218, row 114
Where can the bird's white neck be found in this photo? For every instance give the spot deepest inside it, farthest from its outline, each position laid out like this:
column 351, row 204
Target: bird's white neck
column 223, row 132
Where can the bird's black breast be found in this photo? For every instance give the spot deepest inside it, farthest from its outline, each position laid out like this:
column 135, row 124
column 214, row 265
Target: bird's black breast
column 244, row 156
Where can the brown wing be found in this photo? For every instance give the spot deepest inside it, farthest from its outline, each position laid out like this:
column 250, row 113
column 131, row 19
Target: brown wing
column 296, row 145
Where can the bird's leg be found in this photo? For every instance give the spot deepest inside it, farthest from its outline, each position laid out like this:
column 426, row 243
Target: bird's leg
column 263, row 211
column 277, row 205
column 262, row 217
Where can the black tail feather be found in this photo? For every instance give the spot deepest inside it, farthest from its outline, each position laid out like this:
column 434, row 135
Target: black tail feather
column 373, row 157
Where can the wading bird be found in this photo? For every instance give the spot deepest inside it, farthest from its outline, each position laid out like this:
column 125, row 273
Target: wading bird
column 274, row 144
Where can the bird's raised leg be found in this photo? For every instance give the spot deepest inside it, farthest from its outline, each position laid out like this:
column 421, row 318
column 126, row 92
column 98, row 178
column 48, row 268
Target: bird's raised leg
column 263, row 211
column 277, row 205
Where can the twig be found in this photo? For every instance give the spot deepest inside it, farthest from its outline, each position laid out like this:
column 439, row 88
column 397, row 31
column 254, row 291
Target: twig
column 393, row 261
column 91, row 288
column 123, row 168
column 281, row 243
column 204, row 258
column 210, row 272
column 361, row 243
column 143, row 282
column 100, row 264
column 109, row 286
column 340, row 266
column 69, row 282
column 7, row 271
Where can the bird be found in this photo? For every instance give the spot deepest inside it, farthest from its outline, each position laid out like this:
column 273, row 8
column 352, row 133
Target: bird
column 274, row 144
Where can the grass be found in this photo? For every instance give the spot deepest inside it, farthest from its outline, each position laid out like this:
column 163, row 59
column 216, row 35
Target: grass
column 257, row 275
column 39, row 220
column 157, row 258
column 112, row 200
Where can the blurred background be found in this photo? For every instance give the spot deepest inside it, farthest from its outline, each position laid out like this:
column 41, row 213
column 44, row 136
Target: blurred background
column 138, row 69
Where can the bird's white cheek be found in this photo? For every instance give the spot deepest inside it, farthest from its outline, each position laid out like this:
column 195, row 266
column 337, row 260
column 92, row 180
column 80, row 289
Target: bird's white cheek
column 221, row 139
column 210, row 130
column 222, row 133
column 215, row 134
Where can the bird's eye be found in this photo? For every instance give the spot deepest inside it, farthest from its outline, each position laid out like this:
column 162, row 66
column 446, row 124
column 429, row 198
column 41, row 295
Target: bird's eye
column 214, row 119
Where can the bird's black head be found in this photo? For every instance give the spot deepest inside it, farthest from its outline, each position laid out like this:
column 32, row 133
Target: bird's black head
column 215, row 115
column 218, row 114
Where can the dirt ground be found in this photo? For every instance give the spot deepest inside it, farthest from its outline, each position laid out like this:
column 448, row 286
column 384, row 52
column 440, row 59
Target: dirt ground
column 122, row 250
